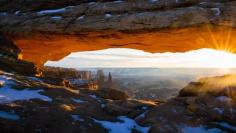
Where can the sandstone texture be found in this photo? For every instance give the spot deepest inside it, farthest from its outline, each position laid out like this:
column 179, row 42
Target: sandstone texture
column 42, row 26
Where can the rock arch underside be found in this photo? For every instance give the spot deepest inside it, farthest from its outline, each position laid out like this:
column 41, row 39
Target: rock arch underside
column 51, row 29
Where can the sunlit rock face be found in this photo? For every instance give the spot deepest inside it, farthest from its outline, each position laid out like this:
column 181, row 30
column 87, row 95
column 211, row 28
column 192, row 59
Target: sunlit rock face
column 49, row 30
column 217, row 86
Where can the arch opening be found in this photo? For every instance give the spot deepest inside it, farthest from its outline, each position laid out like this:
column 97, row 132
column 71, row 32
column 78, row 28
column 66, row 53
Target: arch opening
column 146, row 75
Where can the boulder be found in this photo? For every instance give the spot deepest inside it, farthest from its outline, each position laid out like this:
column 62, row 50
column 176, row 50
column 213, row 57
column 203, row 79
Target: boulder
column 215, row 86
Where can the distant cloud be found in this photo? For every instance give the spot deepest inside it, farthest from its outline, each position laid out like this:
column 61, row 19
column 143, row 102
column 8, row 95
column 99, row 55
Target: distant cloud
column 131, row 58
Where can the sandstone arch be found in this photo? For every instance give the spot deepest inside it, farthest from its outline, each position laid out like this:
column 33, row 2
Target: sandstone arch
column 52, row 32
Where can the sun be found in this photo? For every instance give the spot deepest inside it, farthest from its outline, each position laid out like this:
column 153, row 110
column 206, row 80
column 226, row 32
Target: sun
column 221, row 39
column 219, row 59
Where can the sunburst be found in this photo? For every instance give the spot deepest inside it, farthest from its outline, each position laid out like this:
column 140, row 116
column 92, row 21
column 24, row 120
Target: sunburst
column 222, row 37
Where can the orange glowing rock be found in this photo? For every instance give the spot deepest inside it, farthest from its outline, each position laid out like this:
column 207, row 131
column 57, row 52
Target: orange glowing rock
column 67, row 107
column 20, row 57
column 40, row 48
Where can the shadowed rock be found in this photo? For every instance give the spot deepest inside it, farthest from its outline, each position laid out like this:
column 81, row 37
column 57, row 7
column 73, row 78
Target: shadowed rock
column 10, row 58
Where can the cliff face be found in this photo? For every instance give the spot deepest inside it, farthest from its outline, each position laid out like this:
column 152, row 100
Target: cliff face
column 42, row 26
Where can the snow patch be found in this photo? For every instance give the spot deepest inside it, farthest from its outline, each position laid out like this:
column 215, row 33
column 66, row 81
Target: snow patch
column 125, row 126
column 144, row 108
column 77, row 118
column 8, row 94
column 141, row 115
column 153, row 1
column 118, row 1
column 108, row 15
column 219, row 110
column 5, row 78
column 199, row 129
column 77, row 100
column 17, row 12
column 224, row 99
column 93, row 96
column 56, row 17
column 81, row 17
column 61, row 10
column 10, row 116
column 226, row 125
column 216, row 11
column 91, row 3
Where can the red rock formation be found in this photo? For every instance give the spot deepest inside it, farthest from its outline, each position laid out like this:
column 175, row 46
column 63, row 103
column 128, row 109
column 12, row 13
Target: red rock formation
column 48, row 30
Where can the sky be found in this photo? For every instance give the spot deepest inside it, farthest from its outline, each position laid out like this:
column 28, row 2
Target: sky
column 132, row 58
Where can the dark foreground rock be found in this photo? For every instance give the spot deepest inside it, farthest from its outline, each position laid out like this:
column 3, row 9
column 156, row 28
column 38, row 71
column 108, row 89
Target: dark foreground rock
column 11, row 58
column 204, row 106
column 30, row 104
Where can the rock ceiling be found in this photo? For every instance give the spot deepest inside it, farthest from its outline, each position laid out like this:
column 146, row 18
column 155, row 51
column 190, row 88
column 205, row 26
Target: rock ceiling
column 51, row 30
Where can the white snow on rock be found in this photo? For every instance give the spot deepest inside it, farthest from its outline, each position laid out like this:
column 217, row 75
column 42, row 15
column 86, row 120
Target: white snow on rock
column 108, row 15
column 141, row 115
column 125, row 126
column 144, row 107
column 61, row 10
column 224, row 99
column 8, row 94
column 216, row 11
column 56, row 17
column 77, row 100
column 93, row 96
column 152, row 1
column 228, row 126
column 81, row 17
column 219, row 110
column 118, row 1
column 16, row 12
column 91, row 3
column 199, row 129
column 77, row 118
column 10, row 116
